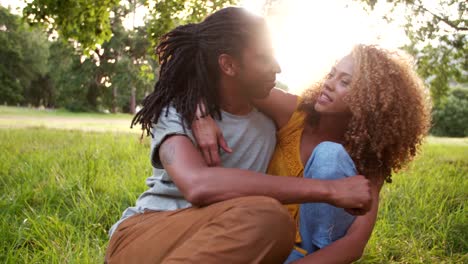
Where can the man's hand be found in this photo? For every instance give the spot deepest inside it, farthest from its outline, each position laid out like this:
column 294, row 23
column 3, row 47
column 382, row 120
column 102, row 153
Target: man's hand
column 353, row 194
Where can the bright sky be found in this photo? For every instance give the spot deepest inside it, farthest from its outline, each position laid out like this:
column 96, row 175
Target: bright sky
column 14, row 4
column 309, row 36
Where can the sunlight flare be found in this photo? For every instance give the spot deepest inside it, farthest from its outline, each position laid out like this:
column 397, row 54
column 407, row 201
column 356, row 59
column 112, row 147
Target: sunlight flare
column 309, row 36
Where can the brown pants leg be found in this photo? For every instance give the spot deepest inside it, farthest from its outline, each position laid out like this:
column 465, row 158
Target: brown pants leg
column 242, row 230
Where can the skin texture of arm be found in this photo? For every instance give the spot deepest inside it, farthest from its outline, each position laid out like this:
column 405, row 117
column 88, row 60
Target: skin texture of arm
column 279, row 106
column 202, row 185
column 352, row 245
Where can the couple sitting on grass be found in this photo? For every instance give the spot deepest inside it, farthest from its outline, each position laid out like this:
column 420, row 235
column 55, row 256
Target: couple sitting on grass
column 283, row 187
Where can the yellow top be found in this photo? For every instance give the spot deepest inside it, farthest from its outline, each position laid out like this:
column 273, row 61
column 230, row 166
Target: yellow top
column 286, row 160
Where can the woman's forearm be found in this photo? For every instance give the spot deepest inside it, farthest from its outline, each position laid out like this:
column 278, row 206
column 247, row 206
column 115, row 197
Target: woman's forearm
column 279, row 106
column 350, row 247
column 344, row 250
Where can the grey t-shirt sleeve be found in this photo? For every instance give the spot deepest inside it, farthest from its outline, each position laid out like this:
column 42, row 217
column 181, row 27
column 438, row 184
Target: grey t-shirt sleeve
column 167, row 125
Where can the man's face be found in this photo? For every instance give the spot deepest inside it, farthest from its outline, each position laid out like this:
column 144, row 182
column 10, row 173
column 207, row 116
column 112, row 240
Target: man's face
column 258, row 68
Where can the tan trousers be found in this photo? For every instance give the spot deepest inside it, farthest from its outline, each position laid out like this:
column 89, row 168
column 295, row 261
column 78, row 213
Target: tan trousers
column 243, row 230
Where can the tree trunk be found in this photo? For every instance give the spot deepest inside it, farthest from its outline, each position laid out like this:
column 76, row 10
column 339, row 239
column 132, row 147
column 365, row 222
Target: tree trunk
column 133, row 100
column 114, row 99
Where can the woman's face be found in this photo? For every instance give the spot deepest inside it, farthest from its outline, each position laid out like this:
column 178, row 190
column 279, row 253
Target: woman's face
column 336, row 87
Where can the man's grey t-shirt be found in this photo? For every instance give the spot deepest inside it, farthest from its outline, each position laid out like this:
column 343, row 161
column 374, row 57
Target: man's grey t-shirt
column 252, row 138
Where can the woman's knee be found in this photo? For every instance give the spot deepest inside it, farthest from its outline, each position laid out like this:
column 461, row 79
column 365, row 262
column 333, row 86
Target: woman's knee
column 329, row 161
column 331, row 151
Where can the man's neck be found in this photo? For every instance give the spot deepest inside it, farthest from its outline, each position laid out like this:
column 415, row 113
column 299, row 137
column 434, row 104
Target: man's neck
column 232, row 99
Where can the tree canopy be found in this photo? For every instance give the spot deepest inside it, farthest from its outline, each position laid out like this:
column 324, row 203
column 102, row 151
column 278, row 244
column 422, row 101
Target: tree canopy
column 438, row 34
column 89, row 22
column 79, row 54
column 23, row 57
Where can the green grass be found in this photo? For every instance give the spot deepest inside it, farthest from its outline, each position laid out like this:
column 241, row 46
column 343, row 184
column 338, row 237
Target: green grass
column 22, row 117
column 28, row 111
column 62, row 190
column 423, row 216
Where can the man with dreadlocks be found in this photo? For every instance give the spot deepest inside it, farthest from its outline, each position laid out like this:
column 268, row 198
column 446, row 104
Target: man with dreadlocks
column 193, row 213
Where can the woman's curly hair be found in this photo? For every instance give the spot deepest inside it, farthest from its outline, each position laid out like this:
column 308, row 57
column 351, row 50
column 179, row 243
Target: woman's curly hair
column 390, row 111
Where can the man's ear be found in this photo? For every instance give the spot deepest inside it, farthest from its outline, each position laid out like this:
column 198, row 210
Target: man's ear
column 228, row 65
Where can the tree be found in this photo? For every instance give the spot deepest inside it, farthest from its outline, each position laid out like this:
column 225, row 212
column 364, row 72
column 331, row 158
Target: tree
column 120, row 64
column 63, row 67
column 166, row 15
column 438, row 35
column 88, row 22
column 85, row 21
column 23, row 55
column 451, row 117
column 125, row 63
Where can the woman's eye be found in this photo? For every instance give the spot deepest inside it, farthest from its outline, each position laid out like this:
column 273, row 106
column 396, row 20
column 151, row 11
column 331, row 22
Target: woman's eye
column 345, row 83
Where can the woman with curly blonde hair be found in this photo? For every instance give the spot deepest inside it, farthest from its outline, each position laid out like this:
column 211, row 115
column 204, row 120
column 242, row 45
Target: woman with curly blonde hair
column 368, row 116
column 388, row 107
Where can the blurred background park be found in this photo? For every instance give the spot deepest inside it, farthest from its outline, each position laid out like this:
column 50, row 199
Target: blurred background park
column 73, row 72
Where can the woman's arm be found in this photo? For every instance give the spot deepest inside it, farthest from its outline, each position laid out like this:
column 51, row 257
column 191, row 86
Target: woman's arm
column 350, row 247
column 279, row 106
column 209, row 137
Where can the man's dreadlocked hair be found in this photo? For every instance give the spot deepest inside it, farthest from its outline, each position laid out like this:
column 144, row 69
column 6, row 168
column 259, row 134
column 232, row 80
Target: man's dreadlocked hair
column 189, row 71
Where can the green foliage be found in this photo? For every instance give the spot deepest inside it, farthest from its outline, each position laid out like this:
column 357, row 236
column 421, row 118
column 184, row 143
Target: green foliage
column 89, row 22
column 54, row 73
column 282, row 86
column 451, row 117
column 126, row 64
column 166, row 15
column 23, row 55
column 64, row 64
column 118, row 68
column 442, row 63
column 439, row 41
column 82, row 20
column 58, row 203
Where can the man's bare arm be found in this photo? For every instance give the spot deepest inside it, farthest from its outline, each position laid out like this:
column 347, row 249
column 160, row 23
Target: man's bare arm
column 203, row 185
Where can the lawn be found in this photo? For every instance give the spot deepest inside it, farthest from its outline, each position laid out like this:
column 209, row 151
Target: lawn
column 21, row 117
column 62, row 190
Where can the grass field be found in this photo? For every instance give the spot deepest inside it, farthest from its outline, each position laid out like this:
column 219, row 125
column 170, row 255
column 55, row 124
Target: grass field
column 20, row 117
column 61, row 190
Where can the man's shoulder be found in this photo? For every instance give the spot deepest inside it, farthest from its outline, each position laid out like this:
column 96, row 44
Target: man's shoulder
column 253, row 123
column 263, row 120
column 169, row 113
column 170, row 123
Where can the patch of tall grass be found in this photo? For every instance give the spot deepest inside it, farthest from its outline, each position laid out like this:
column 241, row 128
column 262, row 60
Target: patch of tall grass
column 62, row 190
